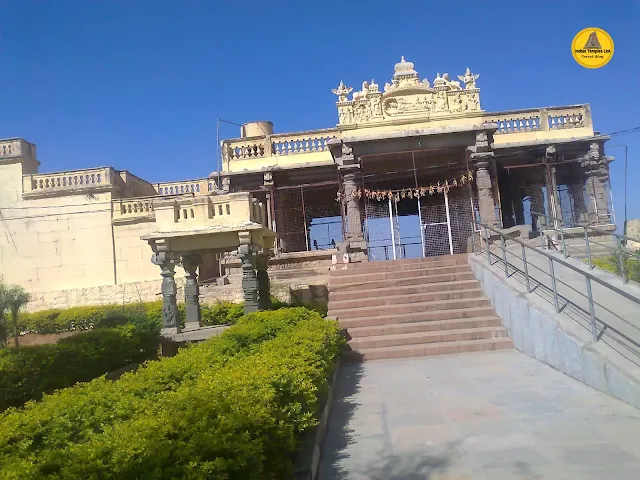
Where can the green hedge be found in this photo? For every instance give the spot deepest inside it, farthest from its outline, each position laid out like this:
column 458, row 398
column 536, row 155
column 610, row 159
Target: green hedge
column 26, row 373
column 88, row 317
column 612, row 264
column 232, row 407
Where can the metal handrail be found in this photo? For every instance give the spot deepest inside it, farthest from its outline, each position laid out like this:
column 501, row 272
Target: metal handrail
column 589, row 277
column 591, row 227
column 619, row 247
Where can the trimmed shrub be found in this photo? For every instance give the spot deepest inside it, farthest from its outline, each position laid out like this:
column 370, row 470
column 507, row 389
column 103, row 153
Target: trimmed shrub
column 222, row 313
column 89, row 317
column 75, row 415
column 239, row 418
column 26, row 373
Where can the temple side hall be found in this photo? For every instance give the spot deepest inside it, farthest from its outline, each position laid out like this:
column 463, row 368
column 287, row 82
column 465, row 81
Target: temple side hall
column 401, row 175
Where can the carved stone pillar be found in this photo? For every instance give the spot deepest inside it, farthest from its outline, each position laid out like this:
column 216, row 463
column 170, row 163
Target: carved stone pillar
column 192, row 291
column 482, row 155
column 518, row 207
column 269, row 186
column 485, row 194
column 536, row 204
column 596, row 171
column 262, row 274
column 167, row 263
column 226, row 185
column 249, row 278
column 354, row 222
column 576, row 191
column 553, row 199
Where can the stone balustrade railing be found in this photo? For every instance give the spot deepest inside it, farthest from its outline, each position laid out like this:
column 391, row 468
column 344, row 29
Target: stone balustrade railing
column 278, row 144
column 542, row 119
column 93, row 178
column 195, row 211
column 133, row 208
column 15, row 147
column 509, row 122
column 202, row 186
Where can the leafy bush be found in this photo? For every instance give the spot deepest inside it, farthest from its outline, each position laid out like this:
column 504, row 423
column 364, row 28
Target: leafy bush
column 88, row 317
column 27, row 373
column 222, row 313
column 32, row 440
column 612, row 264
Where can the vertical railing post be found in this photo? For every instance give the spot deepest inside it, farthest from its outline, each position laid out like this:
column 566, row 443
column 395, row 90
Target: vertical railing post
column 486, row 242
column 504, row 255
column 526, row 269
column 555, row 287
column 586, row 242
column 564, row 245
column 592, row 312
column 621, row 261
column 473, row 238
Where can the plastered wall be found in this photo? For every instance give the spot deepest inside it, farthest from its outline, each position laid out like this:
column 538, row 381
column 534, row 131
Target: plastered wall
column 68, row 242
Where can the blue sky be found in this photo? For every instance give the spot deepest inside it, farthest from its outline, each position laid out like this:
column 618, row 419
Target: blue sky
column 139, row 85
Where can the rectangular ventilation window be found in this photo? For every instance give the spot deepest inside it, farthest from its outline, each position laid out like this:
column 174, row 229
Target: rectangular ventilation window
column 228, row 209
column 219, row 209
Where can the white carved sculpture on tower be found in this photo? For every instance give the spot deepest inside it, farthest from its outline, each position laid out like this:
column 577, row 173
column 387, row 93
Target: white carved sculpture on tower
column 342, row 91
column 408, row 96
column 469, row 79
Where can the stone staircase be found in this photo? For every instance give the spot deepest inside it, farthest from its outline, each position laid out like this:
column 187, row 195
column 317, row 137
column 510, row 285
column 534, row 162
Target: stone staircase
column 408, row 308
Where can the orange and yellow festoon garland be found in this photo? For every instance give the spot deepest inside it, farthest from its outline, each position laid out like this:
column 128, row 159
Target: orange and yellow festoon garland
column 397, row 195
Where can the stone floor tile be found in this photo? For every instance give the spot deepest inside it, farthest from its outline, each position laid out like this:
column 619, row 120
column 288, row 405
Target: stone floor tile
column 591, row 455
column 520, row 461
column 473, row 412
column 610, row 472
column 528, row 472
column 487, row 416
column 418, row 437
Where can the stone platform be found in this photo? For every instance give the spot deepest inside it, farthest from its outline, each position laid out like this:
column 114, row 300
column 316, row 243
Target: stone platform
column 484, row 416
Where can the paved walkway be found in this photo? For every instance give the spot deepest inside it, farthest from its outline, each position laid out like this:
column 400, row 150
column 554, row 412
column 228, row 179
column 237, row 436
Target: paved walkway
column 490, row 416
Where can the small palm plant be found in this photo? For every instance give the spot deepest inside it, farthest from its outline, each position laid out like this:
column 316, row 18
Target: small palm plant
column 17, row 297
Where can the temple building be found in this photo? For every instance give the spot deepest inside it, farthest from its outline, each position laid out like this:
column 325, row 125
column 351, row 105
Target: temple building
column 404, row 172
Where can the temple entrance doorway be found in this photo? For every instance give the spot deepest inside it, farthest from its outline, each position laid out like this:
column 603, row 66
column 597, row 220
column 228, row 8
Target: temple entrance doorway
column 408, row 212
column 408, row 228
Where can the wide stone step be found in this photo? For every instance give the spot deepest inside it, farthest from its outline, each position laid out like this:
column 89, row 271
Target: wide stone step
column 427, row 326
column 401, row 282
column 383, row 310
column 384, row 298
column 357, row 276
column 429, row 349
column 401, row 265
column 338, row 296
column 427, row 337
column 422, row 316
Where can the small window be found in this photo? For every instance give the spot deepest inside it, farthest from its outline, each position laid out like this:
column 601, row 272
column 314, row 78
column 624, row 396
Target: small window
column 192, row 214
column 228, row 209
column 219, row 209
column 184, row 213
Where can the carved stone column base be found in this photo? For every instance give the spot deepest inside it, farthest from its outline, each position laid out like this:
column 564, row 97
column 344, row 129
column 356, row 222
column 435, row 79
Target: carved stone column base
column 262, row 274
column 192, row 292
column 249, row 279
